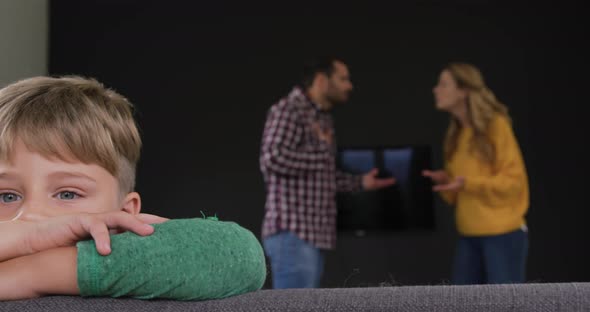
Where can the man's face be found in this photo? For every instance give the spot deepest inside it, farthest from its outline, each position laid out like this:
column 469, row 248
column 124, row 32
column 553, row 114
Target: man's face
column 33, row 187
column 339, row 85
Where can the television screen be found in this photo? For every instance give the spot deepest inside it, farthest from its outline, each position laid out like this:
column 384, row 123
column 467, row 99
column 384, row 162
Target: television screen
column 406, row 205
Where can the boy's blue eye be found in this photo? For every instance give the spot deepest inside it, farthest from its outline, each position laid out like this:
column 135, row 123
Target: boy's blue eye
column 67, row 195
column 9, row 197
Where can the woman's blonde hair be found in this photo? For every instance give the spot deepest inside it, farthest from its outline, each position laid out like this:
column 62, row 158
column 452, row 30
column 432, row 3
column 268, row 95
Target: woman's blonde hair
column 71, row 117
column 482, row 107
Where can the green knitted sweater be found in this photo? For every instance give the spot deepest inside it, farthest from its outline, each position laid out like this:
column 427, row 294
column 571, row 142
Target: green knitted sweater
column 184, row 259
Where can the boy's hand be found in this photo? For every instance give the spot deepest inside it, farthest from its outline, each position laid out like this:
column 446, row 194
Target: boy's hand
column 68, row 229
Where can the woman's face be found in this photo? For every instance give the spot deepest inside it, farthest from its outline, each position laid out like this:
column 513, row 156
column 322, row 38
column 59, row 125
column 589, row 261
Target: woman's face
column 447, row 95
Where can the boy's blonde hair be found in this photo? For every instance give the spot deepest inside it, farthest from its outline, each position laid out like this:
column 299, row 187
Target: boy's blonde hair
column 71, row 117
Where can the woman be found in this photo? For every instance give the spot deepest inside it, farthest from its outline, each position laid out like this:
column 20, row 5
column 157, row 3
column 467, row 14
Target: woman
column 484, row 179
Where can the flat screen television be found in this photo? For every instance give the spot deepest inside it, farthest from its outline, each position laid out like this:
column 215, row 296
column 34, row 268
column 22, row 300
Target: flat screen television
column 407, row 205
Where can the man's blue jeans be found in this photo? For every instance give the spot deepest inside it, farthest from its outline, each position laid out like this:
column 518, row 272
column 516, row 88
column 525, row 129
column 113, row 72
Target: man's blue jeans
column 497, row 259
column 294, row 262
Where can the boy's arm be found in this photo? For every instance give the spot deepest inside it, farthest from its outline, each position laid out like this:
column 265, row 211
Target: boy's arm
column 212, row 260
column 32, row 261
column 48, row 272
column 22, row 238
column 14, row 239
column 185, row 259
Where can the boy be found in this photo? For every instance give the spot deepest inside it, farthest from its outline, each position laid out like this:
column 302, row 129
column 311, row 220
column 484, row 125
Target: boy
column 68, row 152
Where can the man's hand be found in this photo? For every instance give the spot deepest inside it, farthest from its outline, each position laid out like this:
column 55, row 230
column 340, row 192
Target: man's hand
column 323, row 135
column 21, row 238
column 371, row 182
column 443, row 181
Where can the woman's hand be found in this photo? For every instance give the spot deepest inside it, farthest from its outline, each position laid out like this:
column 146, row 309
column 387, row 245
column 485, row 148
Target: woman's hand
column 443, row 182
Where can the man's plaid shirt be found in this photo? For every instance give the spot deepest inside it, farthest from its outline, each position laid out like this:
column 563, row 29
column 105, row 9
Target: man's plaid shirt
column 300, row 172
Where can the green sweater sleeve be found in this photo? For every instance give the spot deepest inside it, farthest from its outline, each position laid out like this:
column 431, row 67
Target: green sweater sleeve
column 184, row 259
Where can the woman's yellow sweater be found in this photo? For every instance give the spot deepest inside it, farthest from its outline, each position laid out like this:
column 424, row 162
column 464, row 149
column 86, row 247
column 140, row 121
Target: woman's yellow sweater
column 495, row 197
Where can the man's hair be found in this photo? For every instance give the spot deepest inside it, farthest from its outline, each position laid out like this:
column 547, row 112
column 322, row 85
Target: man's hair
column 314, row 66
column 71, row 117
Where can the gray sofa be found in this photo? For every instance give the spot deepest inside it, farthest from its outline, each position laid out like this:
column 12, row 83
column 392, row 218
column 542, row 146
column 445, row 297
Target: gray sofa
column 570, row 297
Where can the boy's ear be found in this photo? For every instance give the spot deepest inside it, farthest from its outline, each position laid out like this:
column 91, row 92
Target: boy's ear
column 132, row 203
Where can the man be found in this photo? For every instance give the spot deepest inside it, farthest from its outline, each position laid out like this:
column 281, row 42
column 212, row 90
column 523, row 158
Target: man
column 298, row 163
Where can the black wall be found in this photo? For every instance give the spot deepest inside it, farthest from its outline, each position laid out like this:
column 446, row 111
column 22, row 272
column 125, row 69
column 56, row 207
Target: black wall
column 203, row 77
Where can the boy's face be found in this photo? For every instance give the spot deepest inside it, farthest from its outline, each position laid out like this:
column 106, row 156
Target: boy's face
column 34, row 187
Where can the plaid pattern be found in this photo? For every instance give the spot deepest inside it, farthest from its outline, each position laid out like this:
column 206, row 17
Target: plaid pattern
column 300, row 172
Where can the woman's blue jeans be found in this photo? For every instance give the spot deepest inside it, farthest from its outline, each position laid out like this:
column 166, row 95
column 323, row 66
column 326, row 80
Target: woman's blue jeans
column 497, row 259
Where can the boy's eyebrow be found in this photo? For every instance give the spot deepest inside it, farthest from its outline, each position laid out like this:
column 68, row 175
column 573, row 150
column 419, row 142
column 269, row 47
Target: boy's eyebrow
column 69, row 174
